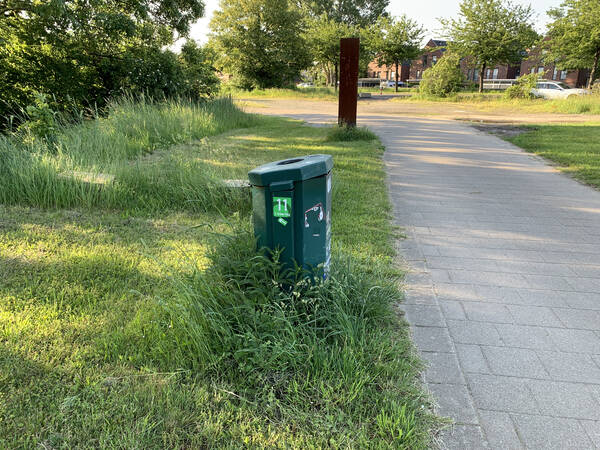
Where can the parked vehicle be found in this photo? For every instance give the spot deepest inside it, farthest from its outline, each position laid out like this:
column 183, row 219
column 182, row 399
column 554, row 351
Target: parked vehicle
column 556, row 89
column 306, row 85
column 392, row 83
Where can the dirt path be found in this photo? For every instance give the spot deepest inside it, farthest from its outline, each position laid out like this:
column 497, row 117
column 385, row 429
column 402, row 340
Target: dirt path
column 441, row 110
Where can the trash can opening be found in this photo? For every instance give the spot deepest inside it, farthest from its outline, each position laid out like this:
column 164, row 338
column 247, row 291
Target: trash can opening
column 289, row 161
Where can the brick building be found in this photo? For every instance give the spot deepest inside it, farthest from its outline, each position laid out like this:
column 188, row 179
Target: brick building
column 435, row 49
column 534, row 64
column 384, row 72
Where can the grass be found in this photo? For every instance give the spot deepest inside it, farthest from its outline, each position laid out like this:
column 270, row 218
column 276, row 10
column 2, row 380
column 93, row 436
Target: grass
column 125, row 145
column 589, row 104
column 349, row 134
column 574, row 147
column 315, row 93
column 137, row 327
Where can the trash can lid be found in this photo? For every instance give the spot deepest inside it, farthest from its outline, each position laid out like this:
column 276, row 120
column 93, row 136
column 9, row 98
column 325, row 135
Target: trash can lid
column 293, row 169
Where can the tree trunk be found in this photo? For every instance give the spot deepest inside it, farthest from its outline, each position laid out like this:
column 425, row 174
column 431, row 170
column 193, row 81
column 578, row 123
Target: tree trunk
column 594, row 70
column 481, row 74
column 336, row 76
column 396, row 76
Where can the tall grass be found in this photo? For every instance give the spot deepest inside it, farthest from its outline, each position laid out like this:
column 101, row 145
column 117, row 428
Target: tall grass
column 329, row 351
column 128, row 146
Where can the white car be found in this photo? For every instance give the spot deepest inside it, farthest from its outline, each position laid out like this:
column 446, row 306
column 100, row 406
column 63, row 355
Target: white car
column 305, row 85
column 392, row 83
column 556, row 89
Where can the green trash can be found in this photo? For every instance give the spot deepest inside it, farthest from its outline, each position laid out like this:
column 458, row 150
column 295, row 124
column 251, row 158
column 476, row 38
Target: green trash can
column 291, row 201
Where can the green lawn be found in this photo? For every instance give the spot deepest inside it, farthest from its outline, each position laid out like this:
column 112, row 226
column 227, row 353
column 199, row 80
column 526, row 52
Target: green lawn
column 574, row 147
column 132, row 322
column 493, row 100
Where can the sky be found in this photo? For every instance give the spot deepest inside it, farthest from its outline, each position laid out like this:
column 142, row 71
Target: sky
column 425, row 12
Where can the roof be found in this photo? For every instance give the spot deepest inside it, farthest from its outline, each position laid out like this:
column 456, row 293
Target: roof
column 439, row 42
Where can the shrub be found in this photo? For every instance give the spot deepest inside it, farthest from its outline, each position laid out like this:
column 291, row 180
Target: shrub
column 40, row 121
column 346, row 133
column 444, row 78
column 523, row 86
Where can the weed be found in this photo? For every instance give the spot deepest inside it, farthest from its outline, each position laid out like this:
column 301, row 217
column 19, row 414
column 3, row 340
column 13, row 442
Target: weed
column 348, row 134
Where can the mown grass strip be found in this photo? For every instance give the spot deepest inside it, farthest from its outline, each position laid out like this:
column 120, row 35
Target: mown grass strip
column 574, row 147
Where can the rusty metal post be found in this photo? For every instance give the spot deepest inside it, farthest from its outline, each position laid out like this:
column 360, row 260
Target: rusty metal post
column 348, row 81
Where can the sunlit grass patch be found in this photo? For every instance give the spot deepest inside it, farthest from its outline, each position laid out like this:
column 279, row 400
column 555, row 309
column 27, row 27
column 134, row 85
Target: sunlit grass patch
column 574, row 147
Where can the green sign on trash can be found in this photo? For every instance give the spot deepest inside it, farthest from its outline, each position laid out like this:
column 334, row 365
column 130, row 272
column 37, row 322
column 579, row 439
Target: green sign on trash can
column 291, row 201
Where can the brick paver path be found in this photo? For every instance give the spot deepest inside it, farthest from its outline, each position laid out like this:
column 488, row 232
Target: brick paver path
column 503, row 294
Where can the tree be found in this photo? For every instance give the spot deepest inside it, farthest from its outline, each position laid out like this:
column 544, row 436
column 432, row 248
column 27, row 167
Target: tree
column 574, row 37
column 358, row 13
column 398, row 41
column 323, row 37
column 260, row 41
column 79, row 52
column 444, row 78
column 199, row 73
column 490, row 32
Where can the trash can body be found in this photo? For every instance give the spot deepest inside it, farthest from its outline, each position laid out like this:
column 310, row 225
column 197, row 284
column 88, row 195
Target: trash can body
column 291, row 202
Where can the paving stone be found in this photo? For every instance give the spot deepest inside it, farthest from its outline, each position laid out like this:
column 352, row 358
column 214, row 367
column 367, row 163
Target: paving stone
column 424, row 315
column 574, row 400
column 487, row 312
column 575, row 341
column 515, row 362
column 537, row 297
column 579, row 318
column 432, row 339
column 463, row 437
column 526, row 336
column 454, row 401
column 582, row 300
column 467, row 332
column 459, row 292
column 534, row 315
column 503, row 294
column 546, row 282
column 471, row 358
column 452, row 310
column 592, row 429
column 499, row 430
column 543, row 432
column 570, row 366
column 494, row 392
column 442, row 368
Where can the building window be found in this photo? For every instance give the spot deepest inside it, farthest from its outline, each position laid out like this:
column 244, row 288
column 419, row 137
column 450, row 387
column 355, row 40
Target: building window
column 418, row 74
column 469, row 74
column 424, row 60
column 563, row 75
column 533, row 70
column 387, row 75
column 495, row 75
column 555, row 74
column 378, row 74
column 433, row 60
column 541, row 69
column 392, row 75
column 475, row 75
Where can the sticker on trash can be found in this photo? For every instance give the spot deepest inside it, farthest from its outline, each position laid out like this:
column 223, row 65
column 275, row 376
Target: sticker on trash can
column 282, row 221
column 282, row 207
